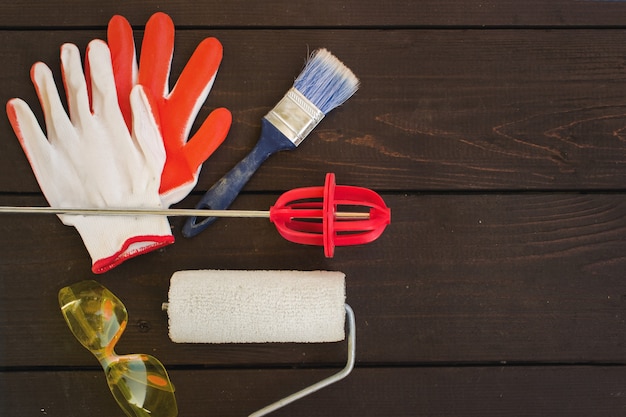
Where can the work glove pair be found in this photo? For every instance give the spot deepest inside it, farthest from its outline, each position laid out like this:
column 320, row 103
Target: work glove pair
column 124, row 142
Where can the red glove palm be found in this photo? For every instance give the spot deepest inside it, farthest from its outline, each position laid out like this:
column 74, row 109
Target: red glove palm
column 178, row 108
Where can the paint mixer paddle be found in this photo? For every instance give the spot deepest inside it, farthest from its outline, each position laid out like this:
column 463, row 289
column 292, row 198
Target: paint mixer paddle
column 309, row 216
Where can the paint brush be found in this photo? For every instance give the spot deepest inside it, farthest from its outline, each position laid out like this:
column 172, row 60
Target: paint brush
column 324, row 83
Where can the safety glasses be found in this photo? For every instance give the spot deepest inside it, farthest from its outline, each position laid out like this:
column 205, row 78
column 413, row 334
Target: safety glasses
column 139, row 383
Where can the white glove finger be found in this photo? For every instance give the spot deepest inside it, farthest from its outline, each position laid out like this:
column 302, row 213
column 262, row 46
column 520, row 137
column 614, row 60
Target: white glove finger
column 57, row 123
column 28, row 131
column 146, row 128
column 75, row 84
column 103, row 91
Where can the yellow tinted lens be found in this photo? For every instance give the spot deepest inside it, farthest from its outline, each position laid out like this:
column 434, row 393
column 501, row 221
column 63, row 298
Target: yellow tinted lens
column 96, row 316
column 141, row 386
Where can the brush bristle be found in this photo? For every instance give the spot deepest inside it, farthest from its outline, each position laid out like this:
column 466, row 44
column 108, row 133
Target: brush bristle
column 326, row 81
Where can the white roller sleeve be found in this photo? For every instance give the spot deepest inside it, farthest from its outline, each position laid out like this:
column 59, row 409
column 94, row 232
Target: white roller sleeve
column 218, row 306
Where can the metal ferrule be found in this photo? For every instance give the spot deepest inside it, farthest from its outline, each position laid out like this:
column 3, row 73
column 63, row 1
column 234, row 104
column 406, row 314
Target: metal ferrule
column 295, row 116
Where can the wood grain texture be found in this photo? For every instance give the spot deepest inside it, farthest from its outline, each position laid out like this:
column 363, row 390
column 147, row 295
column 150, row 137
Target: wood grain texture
column 437, row 110
column 455, row 279
column 578, row 391
column 493, row 130
column 320, row 13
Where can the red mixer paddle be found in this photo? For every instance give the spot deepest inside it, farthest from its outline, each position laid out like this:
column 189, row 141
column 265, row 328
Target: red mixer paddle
column 309, row 215
column 294, row 212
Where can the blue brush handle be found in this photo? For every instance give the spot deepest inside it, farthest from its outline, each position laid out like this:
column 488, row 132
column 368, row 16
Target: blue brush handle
column 224, row 192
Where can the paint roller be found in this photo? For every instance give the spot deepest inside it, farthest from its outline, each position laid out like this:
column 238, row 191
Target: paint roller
column 219, row 306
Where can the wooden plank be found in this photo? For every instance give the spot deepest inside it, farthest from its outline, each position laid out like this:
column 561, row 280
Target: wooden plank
column 282, row 13
column 497, row 289
column 521, row 278
column 438, row 110
column 464, row 392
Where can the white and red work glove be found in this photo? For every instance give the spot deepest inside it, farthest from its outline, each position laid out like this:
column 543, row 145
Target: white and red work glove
column 89, row 159
column 178, row 108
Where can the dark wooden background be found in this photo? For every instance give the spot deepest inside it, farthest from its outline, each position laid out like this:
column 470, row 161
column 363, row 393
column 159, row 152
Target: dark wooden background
column 496, row 132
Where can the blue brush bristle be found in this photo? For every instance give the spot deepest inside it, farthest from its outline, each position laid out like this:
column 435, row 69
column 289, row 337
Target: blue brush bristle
column 326, row 81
